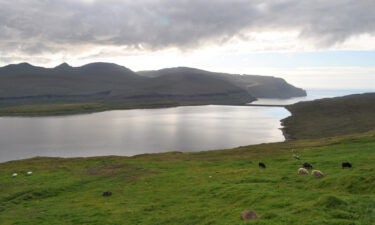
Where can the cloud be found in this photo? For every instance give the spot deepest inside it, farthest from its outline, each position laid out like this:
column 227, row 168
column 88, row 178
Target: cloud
column 37, row 27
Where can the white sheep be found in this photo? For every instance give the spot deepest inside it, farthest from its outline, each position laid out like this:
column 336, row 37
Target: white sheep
column 303, row 171
column 317, row 173
column 29, row 173
column 14, row 174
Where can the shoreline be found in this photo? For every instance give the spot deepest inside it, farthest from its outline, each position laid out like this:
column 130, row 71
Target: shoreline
column 88, row 108
column 70, row 109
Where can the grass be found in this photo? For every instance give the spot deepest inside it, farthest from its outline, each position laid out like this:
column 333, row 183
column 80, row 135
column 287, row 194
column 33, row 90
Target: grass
column 211, row 187
column 331, row 117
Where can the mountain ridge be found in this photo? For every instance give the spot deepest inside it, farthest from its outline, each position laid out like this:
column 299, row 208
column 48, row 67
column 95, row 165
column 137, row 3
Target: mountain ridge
column 256, row 85
column 24, row 83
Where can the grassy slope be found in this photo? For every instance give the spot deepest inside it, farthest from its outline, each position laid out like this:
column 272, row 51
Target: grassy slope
column 197, row 188
column 331, row 117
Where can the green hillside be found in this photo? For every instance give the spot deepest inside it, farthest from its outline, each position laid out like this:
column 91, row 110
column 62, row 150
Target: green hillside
column 331, row 117
column 198, row 188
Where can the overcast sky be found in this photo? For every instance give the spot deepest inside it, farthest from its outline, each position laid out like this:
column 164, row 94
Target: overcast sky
column 239, row 36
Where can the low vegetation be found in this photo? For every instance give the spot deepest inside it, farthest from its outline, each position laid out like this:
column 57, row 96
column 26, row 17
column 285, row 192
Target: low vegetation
column 331, row 117
column 211, row 187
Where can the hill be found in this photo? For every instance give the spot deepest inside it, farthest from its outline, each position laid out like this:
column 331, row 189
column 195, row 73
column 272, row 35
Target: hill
column 257, row 86
column 107, row 83
column 331, row 117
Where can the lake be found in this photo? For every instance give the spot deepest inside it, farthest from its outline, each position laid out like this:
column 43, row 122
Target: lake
column 132, row 132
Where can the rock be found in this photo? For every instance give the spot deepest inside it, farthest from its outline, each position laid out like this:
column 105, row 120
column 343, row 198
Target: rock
column 249, row 215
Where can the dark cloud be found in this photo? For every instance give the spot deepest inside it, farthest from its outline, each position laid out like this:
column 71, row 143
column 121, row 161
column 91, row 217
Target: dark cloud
column 38, row 26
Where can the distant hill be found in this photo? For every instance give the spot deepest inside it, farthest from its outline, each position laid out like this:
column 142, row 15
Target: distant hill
column 109, row 83
column 257, row 86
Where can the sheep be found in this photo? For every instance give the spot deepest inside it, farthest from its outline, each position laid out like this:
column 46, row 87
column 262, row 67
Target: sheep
column 346, row 165
column 14, row 175
column 107, row 194
column 29, row 173
column 303, row 171
column 262, row 165
column 317, row 173
column 296, row 157
column 307, row 166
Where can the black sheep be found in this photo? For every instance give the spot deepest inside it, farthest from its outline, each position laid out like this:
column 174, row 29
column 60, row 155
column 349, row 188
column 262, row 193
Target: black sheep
column 107, row 194
column 307, row 166
column 262, row 165
column 346, row 165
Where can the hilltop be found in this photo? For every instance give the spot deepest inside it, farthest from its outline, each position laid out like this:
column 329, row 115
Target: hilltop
column 115, row 85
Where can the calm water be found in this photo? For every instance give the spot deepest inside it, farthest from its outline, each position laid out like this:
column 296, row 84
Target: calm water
column 131, row 132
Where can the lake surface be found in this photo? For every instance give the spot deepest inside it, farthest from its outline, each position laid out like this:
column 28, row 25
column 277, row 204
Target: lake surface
column 132, row 132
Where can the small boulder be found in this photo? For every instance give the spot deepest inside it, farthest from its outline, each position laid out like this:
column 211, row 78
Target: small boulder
column 249, row 215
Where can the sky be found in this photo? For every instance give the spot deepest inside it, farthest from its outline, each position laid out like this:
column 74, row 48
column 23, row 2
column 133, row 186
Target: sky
column 310, row 43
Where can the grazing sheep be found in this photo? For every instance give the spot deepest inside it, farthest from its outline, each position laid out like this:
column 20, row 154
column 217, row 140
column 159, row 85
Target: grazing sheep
column 307, row 166
column 303, row 171
column 346, row 165
column 317, row 173
column 262, row 165
column 29, row 173
column 107, row 194
column 14, row 174
column 296, row 157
